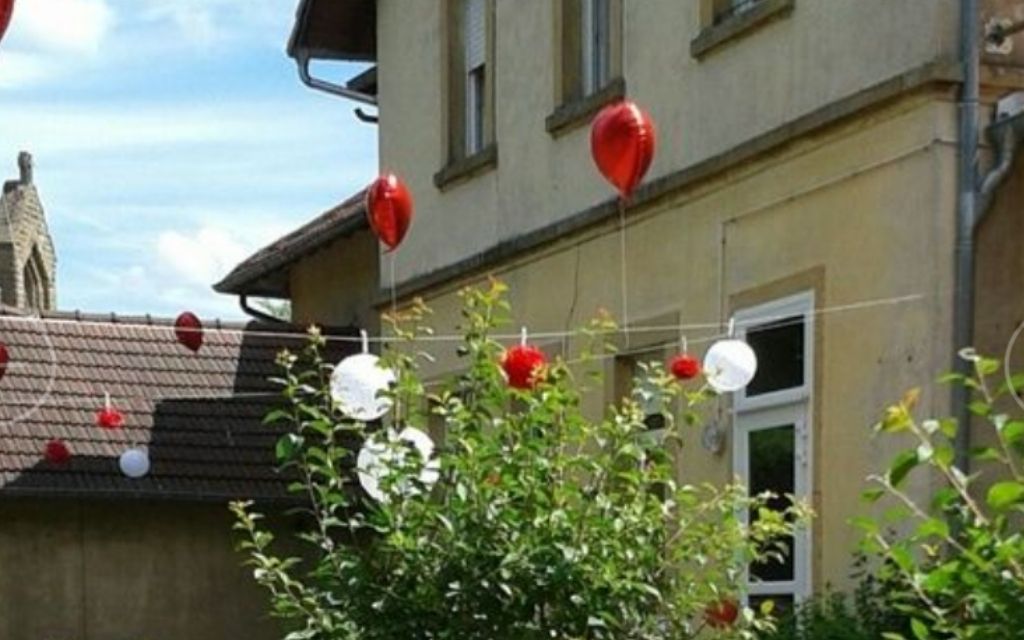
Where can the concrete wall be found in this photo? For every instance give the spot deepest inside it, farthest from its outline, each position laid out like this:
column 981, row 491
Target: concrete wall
column 125, row 571
column 821, row 52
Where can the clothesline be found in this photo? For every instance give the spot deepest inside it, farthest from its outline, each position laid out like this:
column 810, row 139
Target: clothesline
column 502, row 337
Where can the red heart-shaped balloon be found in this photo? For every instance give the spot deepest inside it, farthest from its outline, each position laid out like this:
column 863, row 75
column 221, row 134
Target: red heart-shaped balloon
column 389, row 209
column 6, row 11
column 5, row 357
column 722, row 615
column 189, row 330
column 109, row 418
column 622, row 141
column 522, row 364
column 57, row 452
column 684, row 367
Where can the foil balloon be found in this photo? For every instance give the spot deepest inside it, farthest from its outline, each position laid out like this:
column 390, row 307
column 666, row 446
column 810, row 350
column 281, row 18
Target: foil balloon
column 729, row 365
column 6, row 11
column 684, row 367
column 57, row 452
column 622, row 141
column 381, row 454
column 189, row 331
column 389, row 209
column 522, row 364
column 5, row 357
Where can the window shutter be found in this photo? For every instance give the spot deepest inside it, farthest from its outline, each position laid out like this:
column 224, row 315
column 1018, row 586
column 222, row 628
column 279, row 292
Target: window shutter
column 476, row 33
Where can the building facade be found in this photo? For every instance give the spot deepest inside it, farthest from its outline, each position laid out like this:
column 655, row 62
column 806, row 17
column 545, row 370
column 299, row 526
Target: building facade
column 804, row 188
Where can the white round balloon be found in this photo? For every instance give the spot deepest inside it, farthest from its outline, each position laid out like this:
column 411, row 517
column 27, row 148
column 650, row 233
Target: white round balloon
column 134, row 463
column 357, row 383
column 729, row 365
column 382, row 452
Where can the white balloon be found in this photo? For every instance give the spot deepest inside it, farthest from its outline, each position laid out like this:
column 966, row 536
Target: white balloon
column 380, row 453
column 134, row 463
column 729, row 365
column 356, row 385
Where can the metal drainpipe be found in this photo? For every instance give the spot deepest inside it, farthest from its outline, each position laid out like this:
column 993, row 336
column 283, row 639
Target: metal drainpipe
column 967, row 180
column 329, row 87
column 243, row 301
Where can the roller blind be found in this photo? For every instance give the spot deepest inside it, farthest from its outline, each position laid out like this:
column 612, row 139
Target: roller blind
column 476, row 33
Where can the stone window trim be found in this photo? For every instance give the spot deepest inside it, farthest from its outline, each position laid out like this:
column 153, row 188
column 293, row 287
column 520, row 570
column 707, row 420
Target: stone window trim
column 714, row 35
column 467, row 167
column 571, row 115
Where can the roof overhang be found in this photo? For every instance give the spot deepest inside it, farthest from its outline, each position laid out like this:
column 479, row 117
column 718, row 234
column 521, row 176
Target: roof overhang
column 335, row 30
column 267, row 273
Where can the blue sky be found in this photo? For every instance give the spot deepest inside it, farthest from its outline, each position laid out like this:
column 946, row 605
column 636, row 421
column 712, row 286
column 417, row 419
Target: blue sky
column 171, row 139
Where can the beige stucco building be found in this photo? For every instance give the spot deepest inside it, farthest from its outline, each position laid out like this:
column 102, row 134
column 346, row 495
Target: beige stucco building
column 805, row 186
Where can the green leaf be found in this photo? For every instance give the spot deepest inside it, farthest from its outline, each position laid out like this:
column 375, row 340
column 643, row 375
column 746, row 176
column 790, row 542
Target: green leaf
column 287, row 446
column 933, row 527
column 1003, row 495
column 1013, row 431
column 902, row 465
column 871, row 496
column 920, row 629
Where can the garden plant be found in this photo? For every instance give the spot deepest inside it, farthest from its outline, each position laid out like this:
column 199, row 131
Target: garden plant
column 543, row 522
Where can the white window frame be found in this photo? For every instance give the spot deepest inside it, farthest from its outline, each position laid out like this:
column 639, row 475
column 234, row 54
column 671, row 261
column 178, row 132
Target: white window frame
column 776, row 409
column 596, row 42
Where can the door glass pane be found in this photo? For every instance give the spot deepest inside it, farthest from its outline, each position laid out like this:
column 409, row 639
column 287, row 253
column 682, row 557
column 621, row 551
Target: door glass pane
column 773, row 468
column 779, row 346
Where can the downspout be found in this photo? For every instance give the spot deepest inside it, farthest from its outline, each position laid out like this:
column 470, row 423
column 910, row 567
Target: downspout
column 975, row 196
column 967, row 178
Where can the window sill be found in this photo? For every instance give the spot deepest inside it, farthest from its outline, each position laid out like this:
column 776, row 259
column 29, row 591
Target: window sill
column 736, row 26
column 573, row 114
column 465, row 168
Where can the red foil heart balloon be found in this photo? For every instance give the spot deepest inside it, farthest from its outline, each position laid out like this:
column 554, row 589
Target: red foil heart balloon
column 189, row 330
column 722, row 615
column 622, row 141
column 109, row 418
column 57, row 452
column 684, row 367
column 389, row 209
column 5, row 357
column 6, row 11
column 521, row 365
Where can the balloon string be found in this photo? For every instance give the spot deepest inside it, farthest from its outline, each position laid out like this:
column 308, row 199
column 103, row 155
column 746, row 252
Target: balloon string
column 394, row 295
column 622, row 275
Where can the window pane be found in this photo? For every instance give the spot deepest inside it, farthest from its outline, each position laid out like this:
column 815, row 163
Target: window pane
column 475, row 87
column 773, row 468
column 779, row 347
column 596, row 44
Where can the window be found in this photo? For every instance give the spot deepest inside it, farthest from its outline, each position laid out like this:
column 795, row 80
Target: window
column 470, row 87
column 474, row 40
column 595, row 49
column 723, row 21
column 772, row 432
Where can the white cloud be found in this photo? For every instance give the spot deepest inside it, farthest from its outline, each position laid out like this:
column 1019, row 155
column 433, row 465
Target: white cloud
column 20, row 69
column 200, row 258
column 67, row 26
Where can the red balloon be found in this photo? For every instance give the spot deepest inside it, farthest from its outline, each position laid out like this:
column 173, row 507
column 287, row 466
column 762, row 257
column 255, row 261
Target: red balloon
column 684, row 367
column 622, row 141
column 389, row 209
column 57, row 452
column 5, row 357
column 109, row 418
column 722, row 615
column 6, row 11
column 189, row 330
column 522, row 364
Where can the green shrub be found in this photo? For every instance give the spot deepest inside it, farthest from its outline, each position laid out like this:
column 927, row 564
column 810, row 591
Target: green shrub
column 957, row 562
column 544, row 523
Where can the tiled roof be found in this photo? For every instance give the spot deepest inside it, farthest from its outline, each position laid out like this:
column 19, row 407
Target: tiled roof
column 265, row 273
column 199, row 414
